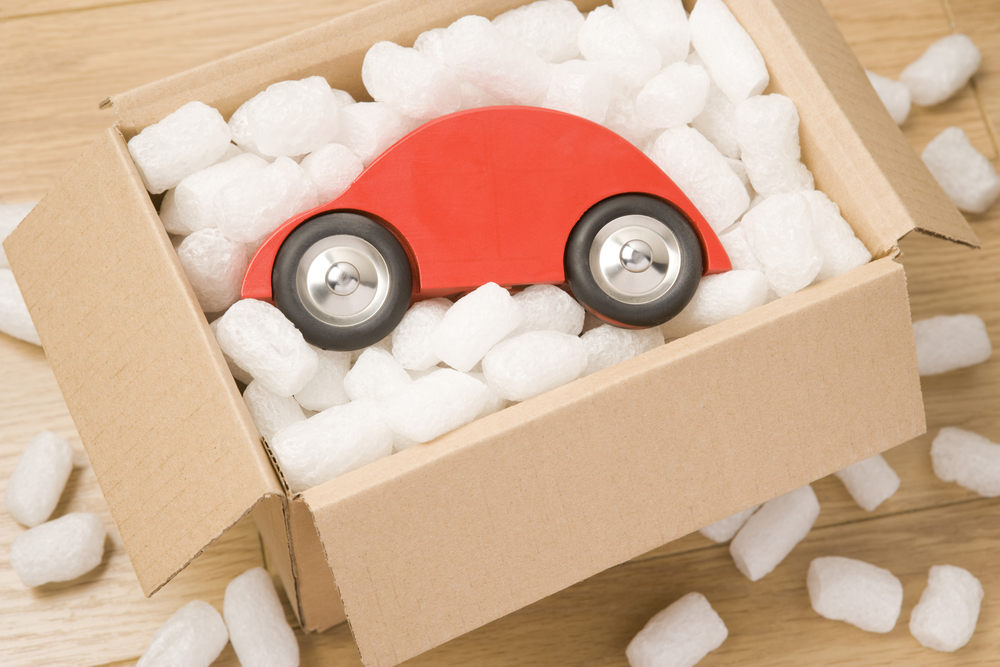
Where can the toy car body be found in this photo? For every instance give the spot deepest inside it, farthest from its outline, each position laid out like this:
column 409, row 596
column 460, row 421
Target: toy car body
column 511, row 195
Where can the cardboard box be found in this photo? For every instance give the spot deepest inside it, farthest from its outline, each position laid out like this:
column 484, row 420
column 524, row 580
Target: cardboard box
column 440, row 539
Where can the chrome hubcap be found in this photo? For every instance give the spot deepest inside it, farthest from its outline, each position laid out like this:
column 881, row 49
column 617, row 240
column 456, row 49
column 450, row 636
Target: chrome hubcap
column 635, row 259
column 636, row 256
column 342, row 280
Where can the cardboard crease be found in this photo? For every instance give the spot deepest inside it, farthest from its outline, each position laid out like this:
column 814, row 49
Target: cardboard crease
column 154, row 590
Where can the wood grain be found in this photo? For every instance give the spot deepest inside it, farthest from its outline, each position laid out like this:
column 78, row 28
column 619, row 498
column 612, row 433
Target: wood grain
column 59, row 67
column 888, row 35
column 21, row 9
column 102, row 616
column 60, row 58
column 979, row 20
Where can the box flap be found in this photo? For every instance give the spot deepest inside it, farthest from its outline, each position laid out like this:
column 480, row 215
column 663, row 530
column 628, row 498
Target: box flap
column 271, row 519
column 170, row 439
column 334, row 49
column 519, row 505
column 318, row 597
column 858, row 155
column 295, row 553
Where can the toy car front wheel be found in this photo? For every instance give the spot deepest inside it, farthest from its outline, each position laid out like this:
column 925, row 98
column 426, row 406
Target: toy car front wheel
column 343, row 280
column 633, row 260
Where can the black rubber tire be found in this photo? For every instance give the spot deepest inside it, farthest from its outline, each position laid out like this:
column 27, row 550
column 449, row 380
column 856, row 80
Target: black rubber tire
column 318, row 332
column 602, row 304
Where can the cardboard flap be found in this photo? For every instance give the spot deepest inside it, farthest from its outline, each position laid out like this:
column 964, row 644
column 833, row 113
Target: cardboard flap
column 168, row 435
column 295, row 552
column 442, row 538
column 858, row 155
column 228, row 82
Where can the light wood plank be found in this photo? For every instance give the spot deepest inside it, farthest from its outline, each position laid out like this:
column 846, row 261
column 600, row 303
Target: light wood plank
column 102, row 616
column 980, row 21
column 887, row 36
column 22, row 9
column 57, row 68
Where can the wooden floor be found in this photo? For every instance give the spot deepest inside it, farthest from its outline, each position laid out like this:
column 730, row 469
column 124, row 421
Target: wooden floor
column 60, row 58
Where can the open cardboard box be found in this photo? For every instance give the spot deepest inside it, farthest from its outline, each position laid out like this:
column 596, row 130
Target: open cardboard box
column 443, row 538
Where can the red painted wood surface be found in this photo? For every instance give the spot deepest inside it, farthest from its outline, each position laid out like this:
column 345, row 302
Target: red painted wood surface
column 491, row 195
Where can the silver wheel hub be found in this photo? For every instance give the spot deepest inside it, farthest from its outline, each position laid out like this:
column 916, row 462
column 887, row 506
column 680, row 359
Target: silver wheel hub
column 635, row 259
column 636, row 256
column 342, row 280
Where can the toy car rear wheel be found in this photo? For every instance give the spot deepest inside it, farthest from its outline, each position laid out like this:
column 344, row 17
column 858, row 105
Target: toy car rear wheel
column 343, row 280
column 633, row 260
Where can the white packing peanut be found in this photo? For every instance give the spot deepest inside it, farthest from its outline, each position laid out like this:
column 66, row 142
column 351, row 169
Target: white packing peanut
column 38, row 480
column 258, row 630
column 193, row 637
column 59, row 550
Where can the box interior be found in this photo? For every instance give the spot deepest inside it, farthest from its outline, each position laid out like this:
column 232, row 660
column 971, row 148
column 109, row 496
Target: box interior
column 334, row 50
column 858, row 155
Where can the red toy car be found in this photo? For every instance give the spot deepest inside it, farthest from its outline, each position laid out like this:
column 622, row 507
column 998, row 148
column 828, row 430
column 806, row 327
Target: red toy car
column 512, row 195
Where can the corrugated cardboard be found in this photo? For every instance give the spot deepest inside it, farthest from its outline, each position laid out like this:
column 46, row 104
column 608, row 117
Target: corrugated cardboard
column 441, row 539
column 858, row 155
column 528, row 501
column 167, row 432
column 295, row 552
